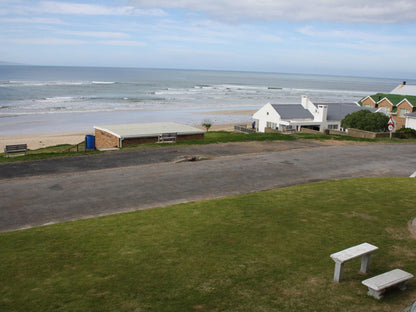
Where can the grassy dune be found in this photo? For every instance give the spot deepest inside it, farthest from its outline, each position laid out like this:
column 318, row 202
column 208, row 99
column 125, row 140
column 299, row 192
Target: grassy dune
column 266, row 251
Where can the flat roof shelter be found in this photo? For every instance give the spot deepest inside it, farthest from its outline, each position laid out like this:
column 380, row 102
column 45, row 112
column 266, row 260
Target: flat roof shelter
column 118, row 136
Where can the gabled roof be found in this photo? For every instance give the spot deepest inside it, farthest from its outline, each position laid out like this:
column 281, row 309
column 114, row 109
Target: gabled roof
column 337, row 111
column 393, row 98
column 386, row 99
column 292, row 111
column 402, row 101
column 367, row 97
column 404, row 89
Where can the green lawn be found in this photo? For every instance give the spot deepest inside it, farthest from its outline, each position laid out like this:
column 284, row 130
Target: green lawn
column 266, row 251
column 210, row 138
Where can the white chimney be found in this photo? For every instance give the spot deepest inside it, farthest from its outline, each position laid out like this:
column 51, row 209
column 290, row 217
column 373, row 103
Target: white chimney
column 305, row 101
column 307, row 104
column 322, row 113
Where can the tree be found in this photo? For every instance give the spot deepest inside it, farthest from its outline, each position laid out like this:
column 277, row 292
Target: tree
column 207, row 124
column 366, row 120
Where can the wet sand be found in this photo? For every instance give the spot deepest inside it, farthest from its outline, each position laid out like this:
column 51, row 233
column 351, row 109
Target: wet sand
column 40, row 140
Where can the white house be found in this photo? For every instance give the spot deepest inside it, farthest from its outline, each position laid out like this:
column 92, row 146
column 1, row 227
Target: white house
column 307, row 114
column 404, row 89
column 411, row 121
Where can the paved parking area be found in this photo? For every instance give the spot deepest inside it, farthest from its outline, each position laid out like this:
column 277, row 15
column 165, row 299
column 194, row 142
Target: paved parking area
column 67, row 189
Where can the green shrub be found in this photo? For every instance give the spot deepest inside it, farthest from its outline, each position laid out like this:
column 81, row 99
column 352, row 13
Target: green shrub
column 366, row 120
column 407, row 130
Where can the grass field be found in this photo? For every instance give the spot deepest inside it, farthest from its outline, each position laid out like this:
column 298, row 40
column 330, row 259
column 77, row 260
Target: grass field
column 266, row 251
column 210, row 138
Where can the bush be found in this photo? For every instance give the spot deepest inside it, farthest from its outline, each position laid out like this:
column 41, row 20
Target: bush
column 366, row 120
column 407, row 130
column 406, row 133
column 207, row 124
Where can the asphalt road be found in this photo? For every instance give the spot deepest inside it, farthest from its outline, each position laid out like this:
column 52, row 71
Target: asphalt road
column 43, row 192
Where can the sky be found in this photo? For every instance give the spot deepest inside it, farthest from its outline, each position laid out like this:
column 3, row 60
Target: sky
column 374, row 38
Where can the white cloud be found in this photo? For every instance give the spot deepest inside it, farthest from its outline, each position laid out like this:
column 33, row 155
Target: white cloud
column 123, row 43
column 61, row 41
column 342, row 11
column 33, row 20
column 48, row 41
column 96, row 34
column 353, row 35
column 69, row 8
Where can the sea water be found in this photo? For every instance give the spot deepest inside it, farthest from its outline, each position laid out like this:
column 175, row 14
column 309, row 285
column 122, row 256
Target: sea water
column 43, row 99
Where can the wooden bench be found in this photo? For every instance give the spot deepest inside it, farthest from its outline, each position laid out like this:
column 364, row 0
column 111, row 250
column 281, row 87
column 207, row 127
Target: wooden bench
column 167, row 138
column 363, row 250
column 377, row 285
column 18, row 148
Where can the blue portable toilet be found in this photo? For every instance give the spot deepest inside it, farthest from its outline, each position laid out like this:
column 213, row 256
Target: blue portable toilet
column 89, row 141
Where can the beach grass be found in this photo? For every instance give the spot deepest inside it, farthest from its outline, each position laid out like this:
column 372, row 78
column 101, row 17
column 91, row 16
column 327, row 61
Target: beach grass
column 214, row 137
column 61, row 150
column 266, row 251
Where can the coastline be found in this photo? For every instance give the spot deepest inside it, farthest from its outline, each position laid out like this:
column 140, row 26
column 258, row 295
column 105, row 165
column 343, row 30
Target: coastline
column 45, row 138
column 41, row 140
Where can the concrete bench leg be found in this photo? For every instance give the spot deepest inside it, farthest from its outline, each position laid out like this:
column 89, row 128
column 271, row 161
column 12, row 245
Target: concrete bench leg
column 402, row 286
column 339, row 272
column 376, row 294
column 365, row 263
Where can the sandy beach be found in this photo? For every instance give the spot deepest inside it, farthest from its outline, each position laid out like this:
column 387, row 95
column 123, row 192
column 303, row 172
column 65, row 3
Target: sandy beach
column 40, row 140
column 35, row 141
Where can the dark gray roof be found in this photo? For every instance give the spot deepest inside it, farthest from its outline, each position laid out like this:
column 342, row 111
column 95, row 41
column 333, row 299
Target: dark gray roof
column 411, row 114
column 292, row 111
column 337, row 111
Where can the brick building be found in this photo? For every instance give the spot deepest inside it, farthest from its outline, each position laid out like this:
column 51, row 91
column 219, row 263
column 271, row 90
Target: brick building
column 394, row 104
column 118, row 136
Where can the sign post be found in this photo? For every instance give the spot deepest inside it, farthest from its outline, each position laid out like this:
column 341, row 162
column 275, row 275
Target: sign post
column 390, row 124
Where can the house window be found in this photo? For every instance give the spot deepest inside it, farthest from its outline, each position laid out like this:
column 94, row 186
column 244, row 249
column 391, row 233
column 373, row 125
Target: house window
column 384, row 109
column 271, row 125
column 333, row 127
column 403, row 111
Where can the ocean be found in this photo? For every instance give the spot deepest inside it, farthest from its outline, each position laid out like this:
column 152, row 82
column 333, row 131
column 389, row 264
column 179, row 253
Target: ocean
column 46, row 99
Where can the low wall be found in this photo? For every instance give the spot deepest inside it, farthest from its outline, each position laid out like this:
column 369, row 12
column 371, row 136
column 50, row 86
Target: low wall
column 137, row 141
column 270, row 130
column 337, row 132
column 244, row 129
column 105, row 140
column 367, row 134
column 307, row 130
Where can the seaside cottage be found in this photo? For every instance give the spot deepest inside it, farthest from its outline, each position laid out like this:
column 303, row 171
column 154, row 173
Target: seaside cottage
column 286, row 117
column 404, row 89
column 411, row 121
column 118, row 136
column 397, row 104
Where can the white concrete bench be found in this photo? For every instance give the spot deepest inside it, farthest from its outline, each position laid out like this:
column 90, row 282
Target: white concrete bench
column 363, row 250
column 377, row 285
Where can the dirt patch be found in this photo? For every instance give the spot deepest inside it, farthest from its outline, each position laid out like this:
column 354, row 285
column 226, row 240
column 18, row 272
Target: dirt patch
column 411, row 225
column 190, row 158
